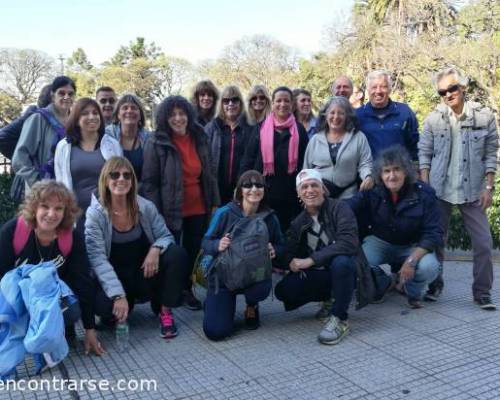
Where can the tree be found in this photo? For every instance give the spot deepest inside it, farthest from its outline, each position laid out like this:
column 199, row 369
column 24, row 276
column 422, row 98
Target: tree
column 10, row 108
column 136, row 49
column 24, row 72
column 78, row 61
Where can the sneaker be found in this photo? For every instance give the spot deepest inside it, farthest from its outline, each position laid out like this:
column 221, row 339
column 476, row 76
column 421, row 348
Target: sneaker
column 485, row 303
column 415, row 303
column 435, row 290
column 252, row 318
column 325, row 310
column 168, row 329
column 389, row 287
column 333, row 331
column 190, row 301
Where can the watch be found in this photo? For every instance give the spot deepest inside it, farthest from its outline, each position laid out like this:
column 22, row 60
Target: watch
column 411, row 262
column 491, row 188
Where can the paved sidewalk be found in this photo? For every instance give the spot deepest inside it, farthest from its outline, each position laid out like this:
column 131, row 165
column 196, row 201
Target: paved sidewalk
column 448, row 350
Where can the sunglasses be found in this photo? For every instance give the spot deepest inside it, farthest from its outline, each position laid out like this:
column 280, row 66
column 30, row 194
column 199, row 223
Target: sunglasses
column 262, row 98
column 249, row 185
column 63, row 94
column 451, row 89
column 116, row 175
column 110, row 101
column 234, row 100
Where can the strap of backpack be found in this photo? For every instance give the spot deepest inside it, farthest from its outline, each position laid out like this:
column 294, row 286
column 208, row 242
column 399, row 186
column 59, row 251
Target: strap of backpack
column 65, row 241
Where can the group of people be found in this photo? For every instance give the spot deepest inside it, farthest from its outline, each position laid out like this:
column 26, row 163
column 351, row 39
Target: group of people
column 340, row 194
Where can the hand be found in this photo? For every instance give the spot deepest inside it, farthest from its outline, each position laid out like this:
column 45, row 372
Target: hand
column 424, row 175
column 92, row 345
column 301, row 263
column 120, row 309
column 272, row 252
column 151, row 263
column 367, row 184
column 485, row 199
column 406, row 273
column 224, row 242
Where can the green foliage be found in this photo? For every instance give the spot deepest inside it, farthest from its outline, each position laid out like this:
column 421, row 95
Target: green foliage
column 8, row 208
column 10, row 108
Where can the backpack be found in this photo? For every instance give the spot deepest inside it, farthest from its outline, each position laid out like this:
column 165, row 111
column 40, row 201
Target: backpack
column 22, row 233
column 246, row 261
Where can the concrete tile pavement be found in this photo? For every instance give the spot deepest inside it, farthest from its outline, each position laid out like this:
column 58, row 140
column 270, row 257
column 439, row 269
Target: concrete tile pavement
column 448, row 350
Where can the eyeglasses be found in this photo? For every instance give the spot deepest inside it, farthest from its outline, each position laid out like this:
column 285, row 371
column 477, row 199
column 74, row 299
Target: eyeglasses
column 451, row 89
column 234, row 100
column 116, row 175
column 110, row 100
column 261, row 98
column 63, row 93
column 249, row 185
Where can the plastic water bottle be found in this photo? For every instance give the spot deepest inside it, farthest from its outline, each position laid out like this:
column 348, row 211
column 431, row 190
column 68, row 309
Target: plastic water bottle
column 121, row 336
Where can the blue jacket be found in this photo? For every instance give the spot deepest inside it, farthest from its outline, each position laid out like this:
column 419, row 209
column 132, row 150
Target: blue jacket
column 398, row 126
column 413, row 220
column 225, row 217
column 31, row 319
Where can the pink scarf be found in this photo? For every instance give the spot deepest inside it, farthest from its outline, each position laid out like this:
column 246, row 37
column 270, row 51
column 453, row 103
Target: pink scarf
column 267, row 143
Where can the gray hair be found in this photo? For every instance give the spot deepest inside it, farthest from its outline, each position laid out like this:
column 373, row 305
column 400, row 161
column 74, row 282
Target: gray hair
column 351, row 122
column 395, row 155
column 379, row 73
column 461, row 80
column 334, row 83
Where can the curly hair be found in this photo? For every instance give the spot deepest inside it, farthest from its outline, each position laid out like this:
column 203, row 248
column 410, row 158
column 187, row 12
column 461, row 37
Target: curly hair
column 397, row 156
column 165, row 110
column 44, row 190
column 351, row 121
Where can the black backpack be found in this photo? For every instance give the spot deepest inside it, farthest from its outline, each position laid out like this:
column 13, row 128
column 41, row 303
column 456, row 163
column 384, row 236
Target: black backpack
column 246, row 261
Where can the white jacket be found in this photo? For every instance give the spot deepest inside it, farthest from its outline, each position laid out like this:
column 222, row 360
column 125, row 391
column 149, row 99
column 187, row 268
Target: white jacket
column 109, row 147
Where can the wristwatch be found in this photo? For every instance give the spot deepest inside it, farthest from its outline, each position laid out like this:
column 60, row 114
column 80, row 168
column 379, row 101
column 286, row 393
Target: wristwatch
column 411, row 262
column 117, row 297
column 491, row 188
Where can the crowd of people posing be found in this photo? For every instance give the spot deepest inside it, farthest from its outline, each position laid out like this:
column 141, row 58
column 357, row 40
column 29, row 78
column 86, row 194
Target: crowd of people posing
column 123, row 213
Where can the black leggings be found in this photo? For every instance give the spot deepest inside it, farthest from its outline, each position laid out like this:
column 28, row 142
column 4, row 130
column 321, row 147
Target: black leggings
column 164, row 288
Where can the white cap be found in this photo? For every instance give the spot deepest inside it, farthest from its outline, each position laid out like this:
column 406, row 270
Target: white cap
column 307, row 174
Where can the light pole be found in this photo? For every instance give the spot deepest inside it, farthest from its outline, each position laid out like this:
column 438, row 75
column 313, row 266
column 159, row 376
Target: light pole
column 61, row 58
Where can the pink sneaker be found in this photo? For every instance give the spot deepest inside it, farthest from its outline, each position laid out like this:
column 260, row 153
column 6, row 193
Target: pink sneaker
column 168, row 329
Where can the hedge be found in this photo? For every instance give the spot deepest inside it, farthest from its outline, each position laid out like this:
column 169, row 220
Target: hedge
column 457, row 237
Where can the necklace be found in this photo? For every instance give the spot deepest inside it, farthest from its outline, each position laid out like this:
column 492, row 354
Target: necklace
column 39, row 250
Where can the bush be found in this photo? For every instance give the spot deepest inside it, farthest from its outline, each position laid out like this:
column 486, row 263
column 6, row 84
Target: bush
column 7, row 206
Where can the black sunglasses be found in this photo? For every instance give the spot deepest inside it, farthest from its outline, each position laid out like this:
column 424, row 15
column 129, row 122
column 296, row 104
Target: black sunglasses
column 255, row 98
column 116, row 175
column 110, row 101
column 451, row 89
column 234, row 100
column 249, row 185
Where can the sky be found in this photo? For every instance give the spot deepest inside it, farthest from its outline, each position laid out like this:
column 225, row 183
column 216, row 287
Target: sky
column 195, row 30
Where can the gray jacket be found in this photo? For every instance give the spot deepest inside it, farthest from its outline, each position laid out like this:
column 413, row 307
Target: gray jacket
column 98, row 232
column 115, row 131
column 479, row 148
column 354, row 157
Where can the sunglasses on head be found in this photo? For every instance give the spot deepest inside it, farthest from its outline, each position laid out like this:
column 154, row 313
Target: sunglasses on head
column 110, row 101
column 234, row 100
column 255, row 98
column 116, row 175
column 451, row 89
column 249, row 185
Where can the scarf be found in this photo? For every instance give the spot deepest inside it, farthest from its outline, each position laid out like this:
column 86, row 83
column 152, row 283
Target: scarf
column 47, row 169
column 267, row 143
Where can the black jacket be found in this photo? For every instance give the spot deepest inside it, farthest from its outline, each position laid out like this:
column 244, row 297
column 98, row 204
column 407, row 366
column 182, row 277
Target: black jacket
column 9, row 134
column 340, row 226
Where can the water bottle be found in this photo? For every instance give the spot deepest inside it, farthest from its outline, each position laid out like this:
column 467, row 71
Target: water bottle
column 121, row 336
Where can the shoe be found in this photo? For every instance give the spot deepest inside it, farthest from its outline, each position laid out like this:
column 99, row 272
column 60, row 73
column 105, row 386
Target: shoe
column 190, row 301
column 389, row 287
column 252, row 318
column 333, row 331
column 168, row 329
column 434, row 291
column 415, row 303
column 485, row 303
column 325, row 310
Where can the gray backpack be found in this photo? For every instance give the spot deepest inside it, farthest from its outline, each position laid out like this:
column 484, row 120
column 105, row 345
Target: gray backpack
column 246, row 261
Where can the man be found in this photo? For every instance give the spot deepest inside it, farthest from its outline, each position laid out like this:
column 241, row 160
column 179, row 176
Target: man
column 322, row 248
column 357, row 98
column 458, row 157
column 342, row 86
column 106, row 98
column 384, row 122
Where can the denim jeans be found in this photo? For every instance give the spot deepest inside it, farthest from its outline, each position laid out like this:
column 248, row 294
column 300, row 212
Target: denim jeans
column 378, row 252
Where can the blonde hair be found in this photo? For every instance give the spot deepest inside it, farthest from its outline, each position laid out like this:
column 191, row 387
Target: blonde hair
column 42, row 191
column 252, row 119
column 228, row 92
column 113, row 164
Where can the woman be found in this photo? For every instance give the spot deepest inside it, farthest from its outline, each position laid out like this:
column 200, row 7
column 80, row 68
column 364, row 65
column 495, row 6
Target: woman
column 204, row 100
column 401, row 217
column 131, row 251
column 249, row 200
column 277, row 151
column 80, row 157
column 228, row 135
column 339, row 151
column 43, row 232
column 177, row 177
column 259, row 104
column 128, row 128
column 303, row 112
column 33, row 158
